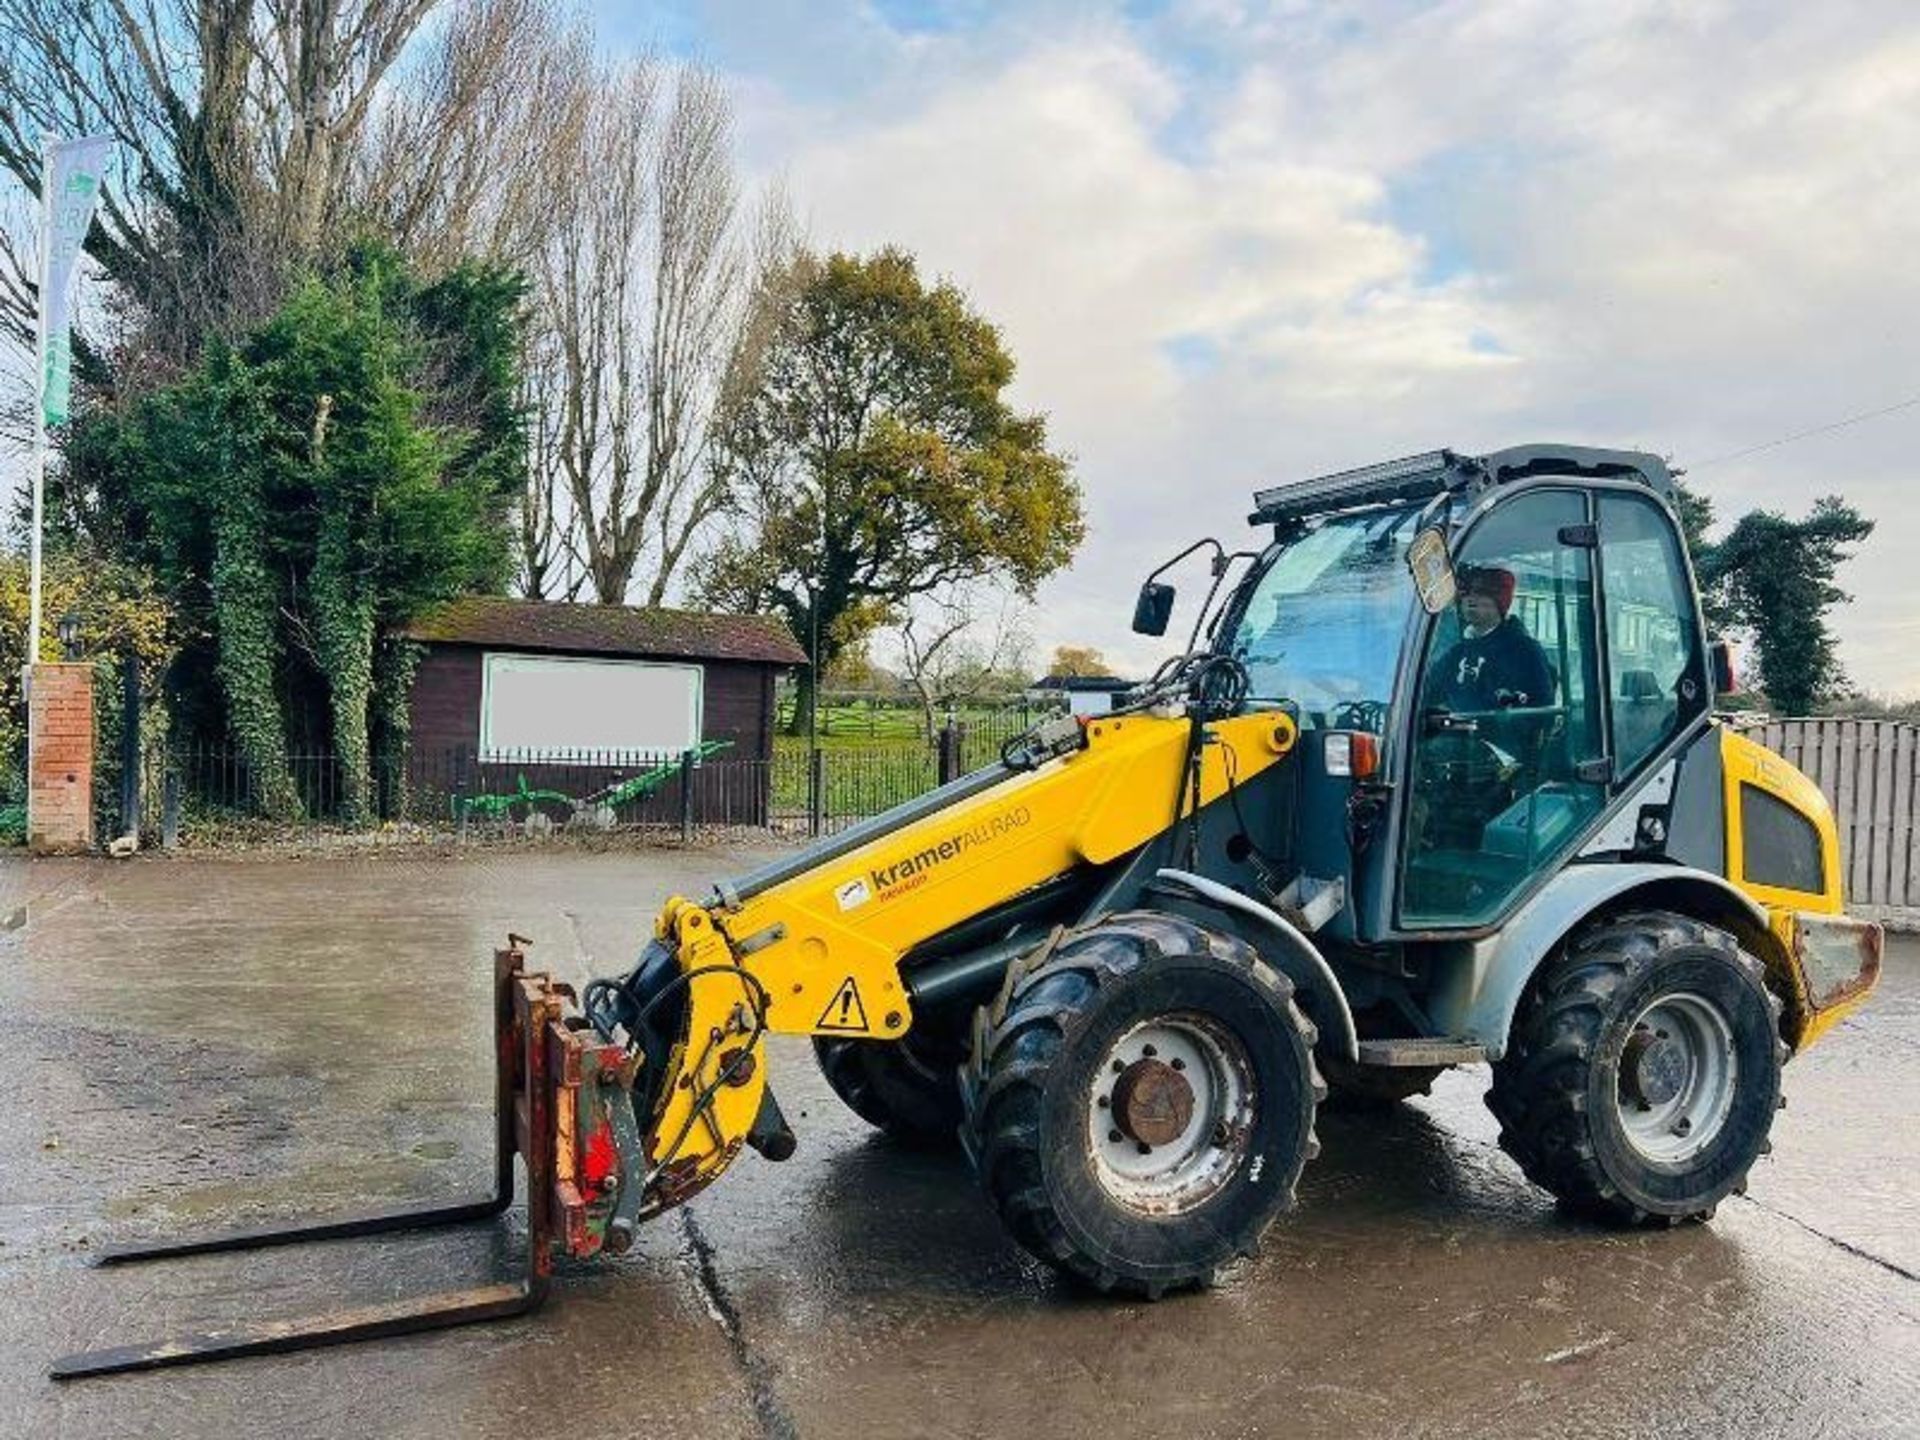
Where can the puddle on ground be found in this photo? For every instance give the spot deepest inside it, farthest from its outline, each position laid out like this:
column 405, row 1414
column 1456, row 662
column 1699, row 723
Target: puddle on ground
column 358, row 1185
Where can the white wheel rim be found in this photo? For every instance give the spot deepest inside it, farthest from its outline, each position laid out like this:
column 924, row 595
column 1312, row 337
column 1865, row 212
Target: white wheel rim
column 1676, row 1080
column 1198, row 1163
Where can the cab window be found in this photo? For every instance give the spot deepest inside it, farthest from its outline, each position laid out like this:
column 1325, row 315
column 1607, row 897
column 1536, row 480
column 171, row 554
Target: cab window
column 1508, row 755
column 1653, row 642
column 1322, row 627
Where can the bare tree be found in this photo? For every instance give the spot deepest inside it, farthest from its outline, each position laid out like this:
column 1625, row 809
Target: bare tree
column 172, row 87
column 545, row 541
column 464, row 156
column 251, row 134
column 319, row 65
column 644, row 282
column 955, row 645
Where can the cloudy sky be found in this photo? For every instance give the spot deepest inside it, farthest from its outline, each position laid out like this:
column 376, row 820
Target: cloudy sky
column 1232, row 244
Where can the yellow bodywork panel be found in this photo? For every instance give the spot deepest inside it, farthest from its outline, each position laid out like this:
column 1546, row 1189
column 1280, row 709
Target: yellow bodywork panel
column 1744, row 762
column 1826, row 965
column 842, row 926
column 823, row 948
column 1832, row 962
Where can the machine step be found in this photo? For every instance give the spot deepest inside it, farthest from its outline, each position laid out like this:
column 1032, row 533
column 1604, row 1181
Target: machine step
column 1418, row 1050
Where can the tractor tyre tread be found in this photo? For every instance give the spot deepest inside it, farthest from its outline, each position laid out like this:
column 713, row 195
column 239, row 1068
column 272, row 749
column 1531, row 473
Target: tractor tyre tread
column 912, row 1099
column 1541, row 1086
column 1018, row 1038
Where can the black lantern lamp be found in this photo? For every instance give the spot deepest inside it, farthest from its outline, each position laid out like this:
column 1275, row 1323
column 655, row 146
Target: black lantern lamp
column 69, row 632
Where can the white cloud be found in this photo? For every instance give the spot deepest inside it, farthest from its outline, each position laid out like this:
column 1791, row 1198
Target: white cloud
column 1232, row 243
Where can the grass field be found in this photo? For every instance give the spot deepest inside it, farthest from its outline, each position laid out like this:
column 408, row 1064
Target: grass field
column 874, row 755
column 849, row 719
column 858, row 780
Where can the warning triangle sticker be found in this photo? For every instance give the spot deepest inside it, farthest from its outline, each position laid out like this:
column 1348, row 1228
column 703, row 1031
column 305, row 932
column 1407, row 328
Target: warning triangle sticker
column 844, row 1012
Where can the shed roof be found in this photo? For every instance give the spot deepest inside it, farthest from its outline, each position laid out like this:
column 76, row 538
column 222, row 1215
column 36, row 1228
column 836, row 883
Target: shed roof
column 508, row 624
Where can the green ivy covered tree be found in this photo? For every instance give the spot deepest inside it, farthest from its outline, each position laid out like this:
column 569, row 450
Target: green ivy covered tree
column 308, row 490
column 1772, row 579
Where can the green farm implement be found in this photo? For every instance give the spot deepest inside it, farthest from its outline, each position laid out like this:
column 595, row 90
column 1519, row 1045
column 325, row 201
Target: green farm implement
column 603, row 803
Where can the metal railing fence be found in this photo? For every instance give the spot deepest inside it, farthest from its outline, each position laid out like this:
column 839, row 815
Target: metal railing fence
column 209, row 794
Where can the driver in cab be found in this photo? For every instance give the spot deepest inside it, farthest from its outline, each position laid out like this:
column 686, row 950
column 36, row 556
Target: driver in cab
column 1496, row 664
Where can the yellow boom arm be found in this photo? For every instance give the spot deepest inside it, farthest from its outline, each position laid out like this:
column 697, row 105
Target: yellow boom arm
column 819, row 953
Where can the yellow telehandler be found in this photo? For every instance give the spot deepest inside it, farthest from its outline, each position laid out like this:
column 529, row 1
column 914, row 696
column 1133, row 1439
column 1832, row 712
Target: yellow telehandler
column 1435, row 781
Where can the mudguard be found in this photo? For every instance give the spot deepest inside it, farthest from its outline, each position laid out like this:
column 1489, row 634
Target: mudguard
column 1478, row 984
column 1282, row 945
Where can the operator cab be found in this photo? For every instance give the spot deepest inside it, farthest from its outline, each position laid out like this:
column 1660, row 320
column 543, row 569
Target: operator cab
column 1482, row 655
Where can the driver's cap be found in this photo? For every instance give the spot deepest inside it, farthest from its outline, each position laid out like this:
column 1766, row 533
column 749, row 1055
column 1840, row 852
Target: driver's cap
column 1488, row 580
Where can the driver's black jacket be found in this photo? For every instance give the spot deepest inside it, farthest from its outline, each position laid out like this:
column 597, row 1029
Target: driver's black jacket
column 1504, row 667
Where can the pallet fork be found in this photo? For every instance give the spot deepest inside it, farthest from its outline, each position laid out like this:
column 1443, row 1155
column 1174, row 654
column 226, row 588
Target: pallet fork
column 563, row 1104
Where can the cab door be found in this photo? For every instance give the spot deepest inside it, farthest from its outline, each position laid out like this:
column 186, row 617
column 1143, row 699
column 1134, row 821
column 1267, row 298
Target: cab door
column 1656, row 650
column 1509, row 755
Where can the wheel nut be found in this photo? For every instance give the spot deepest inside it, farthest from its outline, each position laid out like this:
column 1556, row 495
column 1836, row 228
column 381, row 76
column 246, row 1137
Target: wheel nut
column 1145, row 1149
column 1115, row 1136
column 1103, row 1102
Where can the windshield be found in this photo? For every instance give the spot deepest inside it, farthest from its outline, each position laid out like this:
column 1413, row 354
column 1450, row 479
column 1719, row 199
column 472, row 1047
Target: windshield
column 1322, row 628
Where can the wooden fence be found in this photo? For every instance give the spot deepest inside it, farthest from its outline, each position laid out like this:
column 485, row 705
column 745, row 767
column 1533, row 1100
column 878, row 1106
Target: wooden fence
column 1867, row 769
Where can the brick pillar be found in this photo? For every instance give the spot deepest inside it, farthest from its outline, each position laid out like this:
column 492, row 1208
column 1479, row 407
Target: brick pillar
column 60, row 758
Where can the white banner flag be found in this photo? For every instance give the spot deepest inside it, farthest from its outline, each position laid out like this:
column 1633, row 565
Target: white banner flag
column 74, row 169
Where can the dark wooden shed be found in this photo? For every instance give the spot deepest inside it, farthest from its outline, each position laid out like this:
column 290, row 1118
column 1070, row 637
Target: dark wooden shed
column 574, row 697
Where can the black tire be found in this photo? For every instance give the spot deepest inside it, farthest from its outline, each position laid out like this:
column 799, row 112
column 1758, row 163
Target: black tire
column 909, row 1087
column 1373, row 1087
column 1564, row 1088
column 1036, row 1056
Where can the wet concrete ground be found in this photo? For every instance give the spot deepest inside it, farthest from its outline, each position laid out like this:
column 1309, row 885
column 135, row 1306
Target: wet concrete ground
column 197, row 1043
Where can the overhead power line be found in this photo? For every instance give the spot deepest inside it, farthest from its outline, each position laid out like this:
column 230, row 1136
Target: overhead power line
column 1906, row 404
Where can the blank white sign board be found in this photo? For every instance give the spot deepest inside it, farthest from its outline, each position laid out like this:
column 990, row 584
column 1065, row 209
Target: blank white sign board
column 542, row 703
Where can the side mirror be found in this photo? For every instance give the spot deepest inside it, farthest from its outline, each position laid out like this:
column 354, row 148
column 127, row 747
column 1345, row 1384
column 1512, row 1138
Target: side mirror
column 1720, row 660
column 1153, row 609
column 1432, row 570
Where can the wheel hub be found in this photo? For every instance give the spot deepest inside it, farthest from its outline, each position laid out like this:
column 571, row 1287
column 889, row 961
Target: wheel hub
column 1170, row 1109
column 1677, row 1078
column 1654, row 1068
column 1152, row 1102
